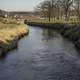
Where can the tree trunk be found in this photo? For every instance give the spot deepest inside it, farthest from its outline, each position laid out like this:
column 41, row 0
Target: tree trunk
column 66, row 15
column 58, row 14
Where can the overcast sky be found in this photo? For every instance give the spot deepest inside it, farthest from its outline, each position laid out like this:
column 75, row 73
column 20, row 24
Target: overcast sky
column 18, row 5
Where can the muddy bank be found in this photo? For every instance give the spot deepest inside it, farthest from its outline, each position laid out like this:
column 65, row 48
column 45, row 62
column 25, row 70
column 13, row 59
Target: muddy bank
column 9, row 37
column 70, row 31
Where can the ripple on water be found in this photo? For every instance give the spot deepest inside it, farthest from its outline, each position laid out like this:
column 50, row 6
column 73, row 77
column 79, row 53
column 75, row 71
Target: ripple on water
column 48, row 65
column 43, row 55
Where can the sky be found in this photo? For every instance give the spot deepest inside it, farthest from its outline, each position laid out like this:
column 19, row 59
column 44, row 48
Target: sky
column 19, row 5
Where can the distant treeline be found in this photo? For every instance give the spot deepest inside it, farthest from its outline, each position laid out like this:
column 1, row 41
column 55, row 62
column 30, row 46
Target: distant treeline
column 19, row 13
column 2, row 13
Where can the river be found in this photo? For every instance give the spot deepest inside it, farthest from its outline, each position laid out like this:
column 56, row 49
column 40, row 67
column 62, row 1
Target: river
column 42, row 55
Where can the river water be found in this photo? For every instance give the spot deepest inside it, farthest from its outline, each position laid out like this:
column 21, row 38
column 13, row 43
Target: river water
column 42, row 55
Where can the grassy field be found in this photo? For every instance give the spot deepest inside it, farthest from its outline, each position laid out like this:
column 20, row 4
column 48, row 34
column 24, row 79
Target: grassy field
column 56, row 21
column 45, row 20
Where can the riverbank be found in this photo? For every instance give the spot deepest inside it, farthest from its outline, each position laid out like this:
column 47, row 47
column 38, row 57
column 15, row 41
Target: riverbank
column 10, row 34
column 70, row 31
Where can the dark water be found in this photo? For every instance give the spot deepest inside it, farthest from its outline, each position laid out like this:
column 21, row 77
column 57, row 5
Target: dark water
column 42, row 55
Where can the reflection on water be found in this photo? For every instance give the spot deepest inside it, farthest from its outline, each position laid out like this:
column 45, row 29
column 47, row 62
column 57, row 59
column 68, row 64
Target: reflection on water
column 42, row 55
column 3, row 56
column 49, row 34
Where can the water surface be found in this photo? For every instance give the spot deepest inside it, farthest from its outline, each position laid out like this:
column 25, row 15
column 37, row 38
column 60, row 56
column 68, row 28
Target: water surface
column 42, row 55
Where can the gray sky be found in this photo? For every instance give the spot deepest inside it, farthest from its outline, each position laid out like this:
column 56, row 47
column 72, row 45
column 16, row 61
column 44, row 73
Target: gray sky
column 18, row 5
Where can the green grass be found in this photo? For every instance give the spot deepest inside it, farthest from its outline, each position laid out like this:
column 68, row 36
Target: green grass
column 70, row 21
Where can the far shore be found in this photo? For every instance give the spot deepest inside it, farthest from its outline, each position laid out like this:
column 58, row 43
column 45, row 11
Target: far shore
column 68, row 30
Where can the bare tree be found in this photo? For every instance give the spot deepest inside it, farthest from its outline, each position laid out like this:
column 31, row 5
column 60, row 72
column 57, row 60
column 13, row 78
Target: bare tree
column 44, row 9
column 58, row 8
column 77, row 7
column 52, row 8
column 66, row 6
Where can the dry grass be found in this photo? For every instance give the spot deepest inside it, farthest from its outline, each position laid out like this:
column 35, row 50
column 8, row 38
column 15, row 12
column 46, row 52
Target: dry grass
column 8, row 32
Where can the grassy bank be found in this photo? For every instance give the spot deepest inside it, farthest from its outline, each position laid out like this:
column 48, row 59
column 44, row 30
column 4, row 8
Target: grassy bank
column 72, row 33
column 10, row 33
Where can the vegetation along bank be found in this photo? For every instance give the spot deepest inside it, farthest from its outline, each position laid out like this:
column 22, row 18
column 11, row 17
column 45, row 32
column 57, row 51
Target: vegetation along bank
column 10, row 33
